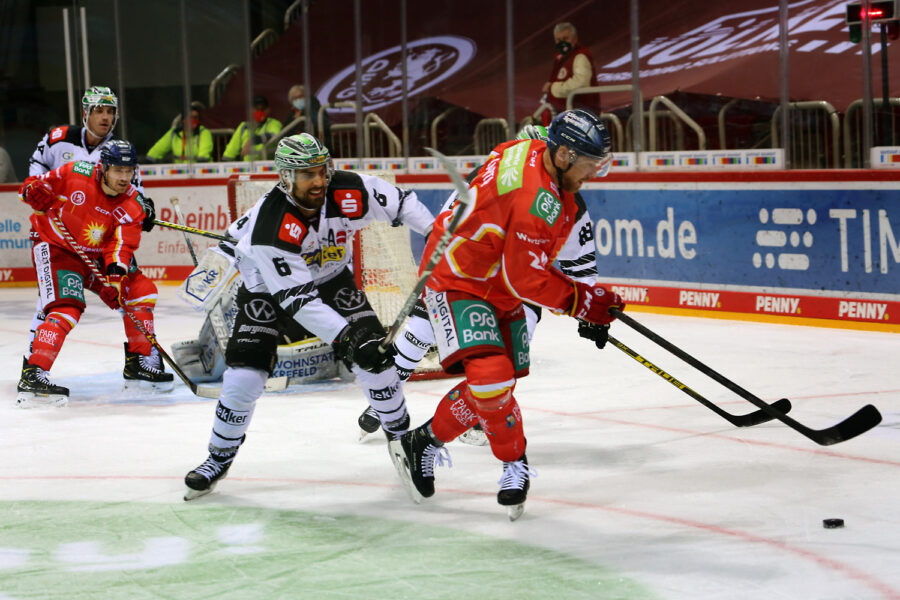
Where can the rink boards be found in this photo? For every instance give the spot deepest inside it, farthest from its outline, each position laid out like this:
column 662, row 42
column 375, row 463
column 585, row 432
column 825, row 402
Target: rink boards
column 800, row 246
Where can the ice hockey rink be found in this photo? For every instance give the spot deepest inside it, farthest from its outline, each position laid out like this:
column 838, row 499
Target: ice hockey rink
column 642, row 493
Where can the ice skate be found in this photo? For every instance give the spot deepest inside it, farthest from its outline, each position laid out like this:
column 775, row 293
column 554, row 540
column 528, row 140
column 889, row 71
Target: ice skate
column 204, row 478
column 514, row 486
column 34, row 389
column 474, row 436
column 415, row 455
column 146, row 371
column 368, row 422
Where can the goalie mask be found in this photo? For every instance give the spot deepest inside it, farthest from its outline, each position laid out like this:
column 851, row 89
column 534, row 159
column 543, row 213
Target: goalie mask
column 298, row 152
column 582, row 133
column 99, row 95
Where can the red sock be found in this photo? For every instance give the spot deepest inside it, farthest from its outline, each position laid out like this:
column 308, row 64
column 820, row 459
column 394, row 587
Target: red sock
column 454, row 414
column 50, row 335
column 503, row 428
column 137, row 341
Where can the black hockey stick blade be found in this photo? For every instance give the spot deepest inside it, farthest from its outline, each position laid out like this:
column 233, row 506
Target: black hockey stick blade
column 754, row 418
column 859, row 422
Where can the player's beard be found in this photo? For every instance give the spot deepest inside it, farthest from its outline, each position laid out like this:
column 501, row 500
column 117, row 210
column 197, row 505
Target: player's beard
column 310, row 203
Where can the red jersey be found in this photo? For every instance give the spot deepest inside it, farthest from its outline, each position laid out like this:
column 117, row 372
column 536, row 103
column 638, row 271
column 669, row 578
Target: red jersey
column 517, row 222
column 105, row 227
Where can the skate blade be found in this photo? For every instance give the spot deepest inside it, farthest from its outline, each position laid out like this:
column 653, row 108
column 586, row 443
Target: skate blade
column 515, row 511
column 398, row 457
column 139, row 385
column 32, row 400
column 192, row 494
column 363, row 434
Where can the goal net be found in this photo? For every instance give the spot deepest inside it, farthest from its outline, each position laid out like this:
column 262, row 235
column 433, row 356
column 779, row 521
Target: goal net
column 383, row 262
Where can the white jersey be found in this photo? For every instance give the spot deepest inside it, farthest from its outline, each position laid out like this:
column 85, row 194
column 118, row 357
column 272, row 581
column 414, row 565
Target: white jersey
column 65, row 144
column 282, row 253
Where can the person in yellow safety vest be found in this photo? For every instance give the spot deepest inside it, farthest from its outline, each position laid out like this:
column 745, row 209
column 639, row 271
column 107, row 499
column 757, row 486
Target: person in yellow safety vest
column 172, row 143
column 241, row 142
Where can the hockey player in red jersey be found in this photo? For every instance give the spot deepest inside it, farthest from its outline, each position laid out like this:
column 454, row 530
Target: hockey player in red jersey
column 521, row 213
column 68, row 143
column 99, row 207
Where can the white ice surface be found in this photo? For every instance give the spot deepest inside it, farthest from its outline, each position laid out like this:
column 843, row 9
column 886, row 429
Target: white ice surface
column 634, row 476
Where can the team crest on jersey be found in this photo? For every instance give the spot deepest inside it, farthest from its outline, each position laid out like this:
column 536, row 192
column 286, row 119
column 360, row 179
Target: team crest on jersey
column 77, row 198
column 83, row 168
column 350, row 202
column 291, row 230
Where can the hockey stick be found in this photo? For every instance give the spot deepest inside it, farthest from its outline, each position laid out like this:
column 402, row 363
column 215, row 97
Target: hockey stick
column 204, row 391
column 203, row 232
column 859, row 422
column 462, row 201
column 174, row 202
column 748, row 420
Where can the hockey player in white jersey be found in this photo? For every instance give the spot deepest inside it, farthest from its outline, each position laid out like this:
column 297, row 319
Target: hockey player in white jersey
column 293, row 251
column 67, row 143
column 577, row 260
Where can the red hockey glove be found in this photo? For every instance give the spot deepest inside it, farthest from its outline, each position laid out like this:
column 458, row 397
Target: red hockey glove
column 39, row 195
column 592, row 303
column 110, row 293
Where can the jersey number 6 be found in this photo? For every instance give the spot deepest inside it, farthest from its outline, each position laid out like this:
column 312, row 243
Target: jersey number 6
column 281, row 266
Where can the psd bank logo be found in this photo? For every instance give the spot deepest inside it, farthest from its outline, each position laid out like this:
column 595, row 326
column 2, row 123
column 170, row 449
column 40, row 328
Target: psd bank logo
column 428, row 62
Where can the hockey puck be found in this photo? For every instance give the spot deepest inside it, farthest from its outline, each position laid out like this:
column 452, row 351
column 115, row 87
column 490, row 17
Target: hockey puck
column 832, row 523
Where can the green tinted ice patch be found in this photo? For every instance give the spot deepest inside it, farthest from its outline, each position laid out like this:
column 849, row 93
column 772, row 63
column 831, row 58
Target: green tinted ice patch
column 82, row 551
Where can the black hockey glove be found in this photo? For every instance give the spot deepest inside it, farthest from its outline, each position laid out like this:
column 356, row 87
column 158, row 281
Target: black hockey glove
column 149, row 212
column 599, row 334
column 358, row 344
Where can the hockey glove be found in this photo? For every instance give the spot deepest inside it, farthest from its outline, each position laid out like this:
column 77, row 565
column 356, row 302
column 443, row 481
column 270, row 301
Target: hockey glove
column 592, row 303
column 599, row 334
column 38, row 195
column 358, row 344
column 110, row 293
column 149, row 213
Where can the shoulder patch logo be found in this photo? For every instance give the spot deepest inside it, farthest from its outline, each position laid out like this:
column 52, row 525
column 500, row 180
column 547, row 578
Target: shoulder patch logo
column 83, row 168
column 546, row 206
column 350, row 202
column 512, row 166
column 291, row 230
column 58, row 133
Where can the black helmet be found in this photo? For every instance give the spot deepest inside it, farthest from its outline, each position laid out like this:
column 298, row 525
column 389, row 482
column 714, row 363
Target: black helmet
column 118, row 152
column 582, row 132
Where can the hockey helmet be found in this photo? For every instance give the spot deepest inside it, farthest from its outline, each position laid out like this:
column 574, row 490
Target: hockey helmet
column 533, row 132
column 118, row 152
column 99, row 95
column 583, row 134
column 302, row 151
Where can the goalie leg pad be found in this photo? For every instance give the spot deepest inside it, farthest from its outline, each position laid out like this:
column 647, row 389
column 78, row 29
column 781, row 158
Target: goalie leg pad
column 254, row 338
column 305, row 361
column 241, row 387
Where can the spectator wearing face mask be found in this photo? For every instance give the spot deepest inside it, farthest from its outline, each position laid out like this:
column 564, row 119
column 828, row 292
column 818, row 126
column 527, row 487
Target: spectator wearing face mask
column 250, row 147
column 573, row 68
column 298, row 100
column 173, row 145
